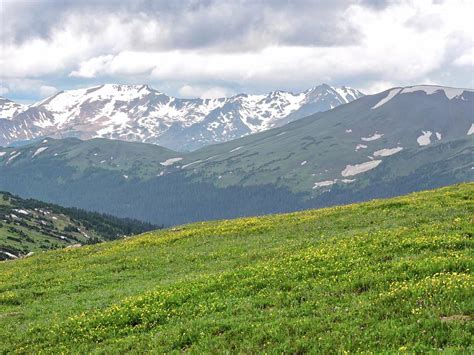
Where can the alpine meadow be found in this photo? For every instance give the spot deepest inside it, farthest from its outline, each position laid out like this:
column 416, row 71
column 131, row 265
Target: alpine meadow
column 236, row 177
column 388, row 275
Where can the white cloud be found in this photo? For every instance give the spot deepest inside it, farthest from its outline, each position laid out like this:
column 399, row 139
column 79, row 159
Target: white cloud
column 38, row 57
column 253, row 47
column 188, row 91
column 46, row 90
column 465, row 59
column 376, row 86
column 391, row 51
column 22, row 85
column 274, row 67
column 28, row 87
column 92, row 67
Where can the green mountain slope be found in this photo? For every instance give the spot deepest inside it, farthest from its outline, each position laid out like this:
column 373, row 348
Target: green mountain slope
column 387, row 275
column 344, row 146
column 31, row 226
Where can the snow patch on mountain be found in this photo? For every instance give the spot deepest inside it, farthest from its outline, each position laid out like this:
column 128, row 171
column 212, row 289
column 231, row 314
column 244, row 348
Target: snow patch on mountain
column 192, row 163
column 235, row 149
column 450, row 93
column 351, row 170
column 331, row 182
column 373, row 137
column 10, row 255
column 360, row 146
column 425, row 138
column 471, row 130
column 391, row 95
column 348, row 94
column 324, row 183
column 39, row 151
column 21, row 211
column 387, row 152
column 13, row 155
column 171, row 161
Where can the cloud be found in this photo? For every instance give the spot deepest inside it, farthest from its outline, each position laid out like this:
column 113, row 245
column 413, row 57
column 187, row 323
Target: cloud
column 211, row 47
column 46, row 90
column 91, row 67
column 466, row 59
column 26, row 88
column 281, row 66
column 160, row 25
column 188, row 91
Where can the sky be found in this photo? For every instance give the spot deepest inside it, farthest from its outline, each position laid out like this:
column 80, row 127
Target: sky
column 214, row 48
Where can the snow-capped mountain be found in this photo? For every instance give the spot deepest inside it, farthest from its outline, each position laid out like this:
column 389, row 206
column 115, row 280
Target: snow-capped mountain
column 140, row 113
column 9, row 109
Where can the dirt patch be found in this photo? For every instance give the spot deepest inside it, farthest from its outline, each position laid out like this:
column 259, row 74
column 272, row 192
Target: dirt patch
column 456, row 318
column 10, row 314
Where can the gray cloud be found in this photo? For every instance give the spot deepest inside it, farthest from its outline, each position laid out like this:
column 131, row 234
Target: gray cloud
column 377, row 4
column 190, row 23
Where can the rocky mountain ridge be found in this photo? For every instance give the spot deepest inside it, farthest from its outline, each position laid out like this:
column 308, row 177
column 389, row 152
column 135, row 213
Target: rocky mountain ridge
column 142, row 114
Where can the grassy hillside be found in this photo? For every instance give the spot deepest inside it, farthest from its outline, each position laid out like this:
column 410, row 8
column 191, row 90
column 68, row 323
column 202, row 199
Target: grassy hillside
column 387, row 275
column 32, row 226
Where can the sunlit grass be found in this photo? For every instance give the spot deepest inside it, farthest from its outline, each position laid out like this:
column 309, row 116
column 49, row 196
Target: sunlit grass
column 390, row 275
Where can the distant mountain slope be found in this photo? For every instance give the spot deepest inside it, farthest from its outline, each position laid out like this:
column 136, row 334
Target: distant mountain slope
column 386, row 276
column 341, row 145
column 140, row 113
column 30, row 226
column 395, row 142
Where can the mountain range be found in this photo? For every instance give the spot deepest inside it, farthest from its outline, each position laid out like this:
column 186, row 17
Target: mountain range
column 397, row 141
column 142, row 114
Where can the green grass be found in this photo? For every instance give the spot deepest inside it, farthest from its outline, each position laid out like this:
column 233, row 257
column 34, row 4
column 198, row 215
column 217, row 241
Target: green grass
column 388, row 275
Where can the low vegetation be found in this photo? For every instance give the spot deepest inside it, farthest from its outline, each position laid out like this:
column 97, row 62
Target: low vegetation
column 388, row 275
column 30, row 226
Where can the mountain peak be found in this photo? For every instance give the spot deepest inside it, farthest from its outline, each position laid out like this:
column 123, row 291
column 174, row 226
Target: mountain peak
column 9, row 108
column 120, row 89
column 125, row 87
